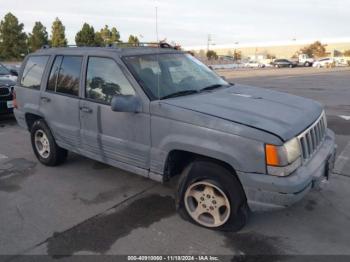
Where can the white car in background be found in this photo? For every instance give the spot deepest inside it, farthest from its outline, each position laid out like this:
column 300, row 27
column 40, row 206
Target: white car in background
column 254, row 64
column 324, row 62
column 340, row 61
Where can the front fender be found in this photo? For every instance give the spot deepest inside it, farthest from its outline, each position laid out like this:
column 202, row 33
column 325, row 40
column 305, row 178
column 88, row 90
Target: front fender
column 241, row 153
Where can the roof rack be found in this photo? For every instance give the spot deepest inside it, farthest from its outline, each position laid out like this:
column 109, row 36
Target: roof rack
column 146, row 44
column 48, row 46
column 129, row 45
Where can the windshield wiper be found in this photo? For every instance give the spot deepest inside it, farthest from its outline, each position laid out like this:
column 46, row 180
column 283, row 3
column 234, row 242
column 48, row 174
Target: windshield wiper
column 212, row 87
column 180, row 93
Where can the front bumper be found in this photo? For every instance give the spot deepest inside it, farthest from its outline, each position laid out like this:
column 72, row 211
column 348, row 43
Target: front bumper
column 269, row 192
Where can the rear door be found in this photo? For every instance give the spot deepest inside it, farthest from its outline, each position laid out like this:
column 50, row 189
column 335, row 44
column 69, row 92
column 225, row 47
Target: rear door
column 59, row 102
column 118, row 138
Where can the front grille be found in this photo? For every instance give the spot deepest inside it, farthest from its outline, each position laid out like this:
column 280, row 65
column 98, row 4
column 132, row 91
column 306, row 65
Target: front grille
column 312, row 137
column 4, row 91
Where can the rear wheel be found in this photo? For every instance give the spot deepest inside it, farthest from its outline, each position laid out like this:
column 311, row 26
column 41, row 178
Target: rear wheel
column 210, row 195
column 44, row 145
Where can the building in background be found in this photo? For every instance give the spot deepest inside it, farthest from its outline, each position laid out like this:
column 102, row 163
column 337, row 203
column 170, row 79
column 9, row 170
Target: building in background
column 273, row 50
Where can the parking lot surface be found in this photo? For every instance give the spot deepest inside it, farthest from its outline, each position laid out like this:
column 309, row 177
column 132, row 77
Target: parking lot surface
column 85, row 207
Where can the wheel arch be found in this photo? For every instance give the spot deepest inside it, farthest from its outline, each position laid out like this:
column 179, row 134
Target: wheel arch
column 30, row 119
column 177, row 160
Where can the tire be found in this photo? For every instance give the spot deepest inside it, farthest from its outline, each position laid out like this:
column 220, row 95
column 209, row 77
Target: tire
column 44, row 145
column 290, row 66
column 307, row 64
column 200, row 175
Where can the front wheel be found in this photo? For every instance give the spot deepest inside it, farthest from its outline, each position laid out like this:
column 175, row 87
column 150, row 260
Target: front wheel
column 44, row 145
column 210, row 195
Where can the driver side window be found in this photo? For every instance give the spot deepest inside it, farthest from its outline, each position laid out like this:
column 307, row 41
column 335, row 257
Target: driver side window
column 104, row 79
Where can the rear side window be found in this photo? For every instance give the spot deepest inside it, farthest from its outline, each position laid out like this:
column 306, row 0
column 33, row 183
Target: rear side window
column 65, row 75
column 33, row 71
column 105, row 79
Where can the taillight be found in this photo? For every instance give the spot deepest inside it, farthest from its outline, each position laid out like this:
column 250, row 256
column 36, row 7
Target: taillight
column 14, row 100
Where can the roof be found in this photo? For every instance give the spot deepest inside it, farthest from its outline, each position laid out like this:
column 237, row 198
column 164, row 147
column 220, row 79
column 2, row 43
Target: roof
column 103, row 50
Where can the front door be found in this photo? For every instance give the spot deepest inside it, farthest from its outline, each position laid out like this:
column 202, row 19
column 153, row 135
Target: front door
column 59, row 103
column 118, row 138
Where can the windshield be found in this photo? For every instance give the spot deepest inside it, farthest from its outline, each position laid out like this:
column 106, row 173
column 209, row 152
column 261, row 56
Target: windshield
column 165, row 75
column 4, row 70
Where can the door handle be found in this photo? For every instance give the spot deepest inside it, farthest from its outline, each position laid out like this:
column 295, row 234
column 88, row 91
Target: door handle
column 86, row 109
column 45, row 99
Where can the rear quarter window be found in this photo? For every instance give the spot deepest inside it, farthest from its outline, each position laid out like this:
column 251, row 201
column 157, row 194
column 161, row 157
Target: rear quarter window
column 33, row 71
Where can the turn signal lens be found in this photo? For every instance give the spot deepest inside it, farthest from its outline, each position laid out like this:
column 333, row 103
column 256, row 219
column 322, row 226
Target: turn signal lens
column 283, row 160
column 272, row 158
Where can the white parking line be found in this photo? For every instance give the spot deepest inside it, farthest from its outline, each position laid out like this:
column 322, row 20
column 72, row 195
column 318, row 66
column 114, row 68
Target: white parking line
column 344, row 117
column 3, row 157
column 342, row 159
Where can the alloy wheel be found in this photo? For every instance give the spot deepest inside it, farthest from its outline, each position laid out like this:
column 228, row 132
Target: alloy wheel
column 207, row 204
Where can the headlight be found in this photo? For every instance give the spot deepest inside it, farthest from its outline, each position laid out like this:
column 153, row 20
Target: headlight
column 283, row 160
column 293, row 151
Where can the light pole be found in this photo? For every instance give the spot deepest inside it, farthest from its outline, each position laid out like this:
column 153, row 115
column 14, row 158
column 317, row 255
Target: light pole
column 157, row 24
column 208, row 42
column 235, row 51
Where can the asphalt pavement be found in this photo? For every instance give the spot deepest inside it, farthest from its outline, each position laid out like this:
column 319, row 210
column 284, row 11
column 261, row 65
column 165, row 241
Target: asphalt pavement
column 85, row 207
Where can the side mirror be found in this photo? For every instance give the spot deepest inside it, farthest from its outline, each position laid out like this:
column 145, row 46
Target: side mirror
column 13, row 72
column 126, row 103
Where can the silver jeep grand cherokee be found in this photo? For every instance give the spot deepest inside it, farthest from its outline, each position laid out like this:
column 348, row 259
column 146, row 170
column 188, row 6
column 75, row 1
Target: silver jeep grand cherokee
column 159, row 113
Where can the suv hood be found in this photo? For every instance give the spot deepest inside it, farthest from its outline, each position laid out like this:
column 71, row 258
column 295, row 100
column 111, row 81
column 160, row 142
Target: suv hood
column 281, row 114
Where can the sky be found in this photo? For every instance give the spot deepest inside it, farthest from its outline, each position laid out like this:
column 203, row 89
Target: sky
column 189, row 22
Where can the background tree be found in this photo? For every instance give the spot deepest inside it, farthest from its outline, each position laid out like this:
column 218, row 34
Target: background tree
column 212, row 55
column 115, row 35
column 316, row 49
column 110, row 36
column 133, row 40
column 346, row 53
column 86, row 36
column 58, row 37
column 98, row 39
column 13, row 41
column 105, row 34
column 202, row 54
column 38, row 37
column 270, row 56
column 295, row 56
column 237, row 55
